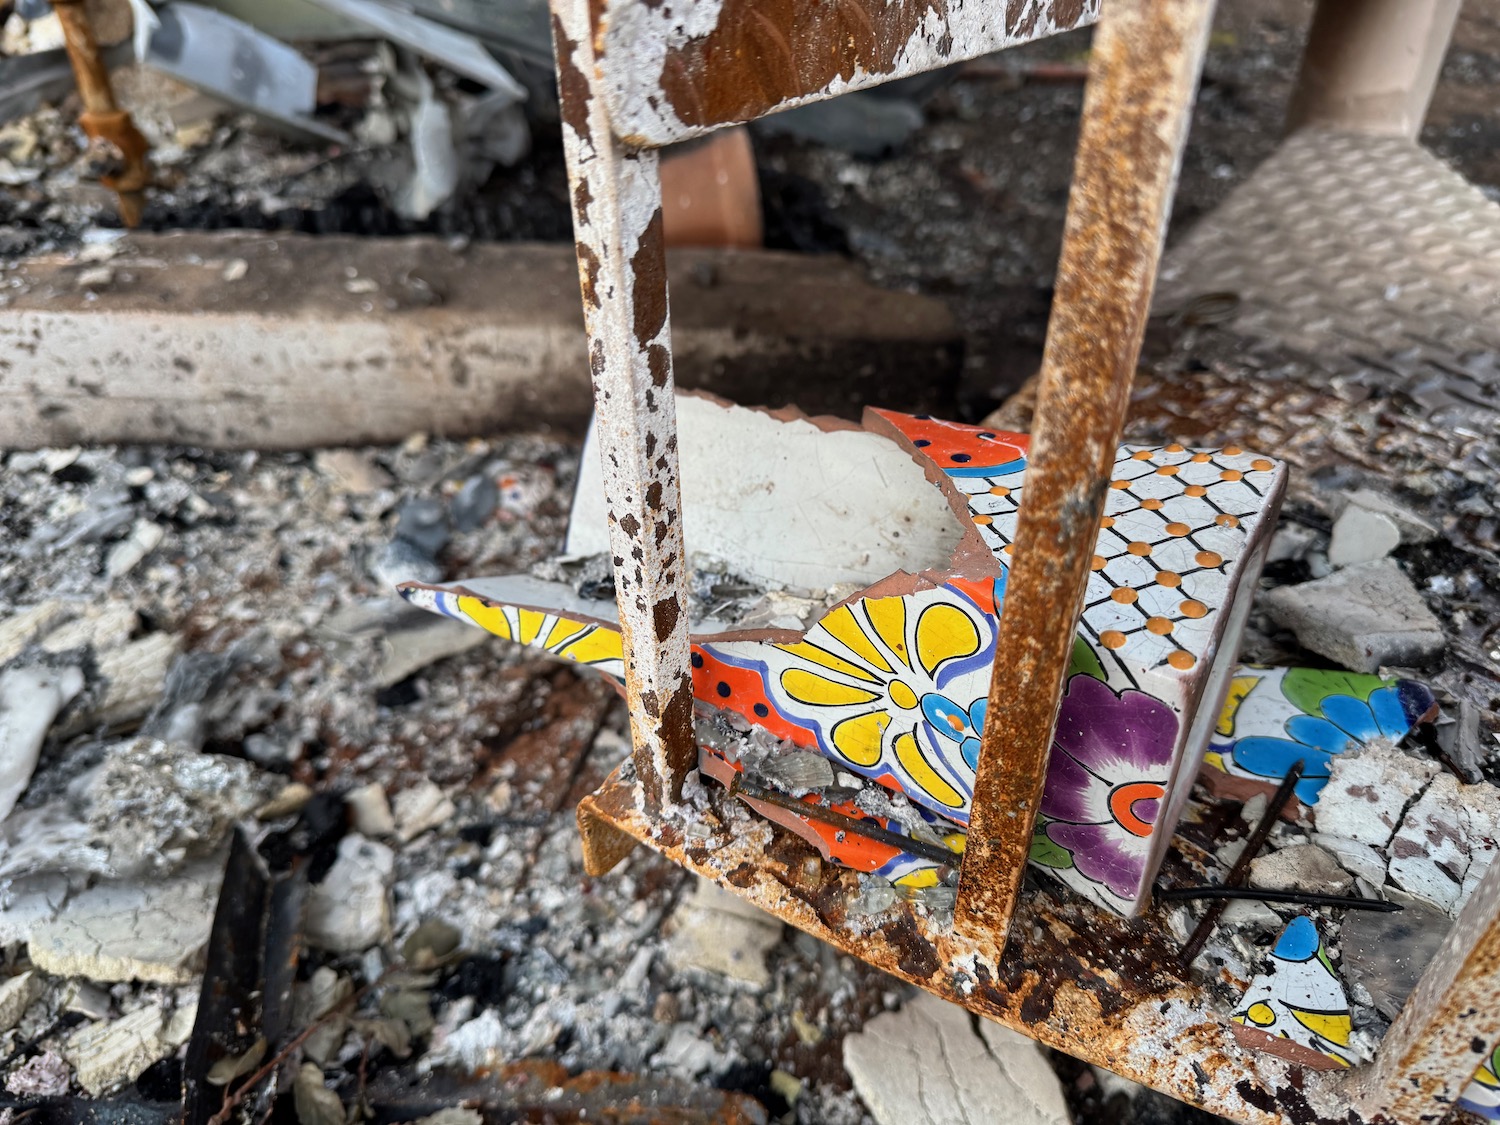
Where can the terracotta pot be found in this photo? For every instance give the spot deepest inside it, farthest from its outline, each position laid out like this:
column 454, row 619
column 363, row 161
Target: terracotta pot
column 710, row 195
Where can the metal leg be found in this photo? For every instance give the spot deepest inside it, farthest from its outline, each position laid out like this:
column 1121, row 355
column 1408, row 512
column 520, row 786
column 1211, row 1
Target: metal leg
column 1142, row 76
column 1371, row 66
column 1449, row 1025
column 622, row 269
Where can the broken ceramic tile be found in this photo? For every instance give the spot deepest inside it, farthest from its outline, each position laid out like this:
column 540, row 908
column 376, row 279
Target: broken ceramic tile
column 1274, row 717
column 891, row 682
column 1368, row 792
column 1446, row 842
column 1298, row 1009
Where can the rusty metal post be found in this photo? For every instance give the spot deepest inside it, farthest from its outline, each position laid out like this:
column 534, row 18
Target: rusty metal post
column 1371, row 66
column 1448, row 1026
column 102, row 118
column 622, row 268
column 1143, row 72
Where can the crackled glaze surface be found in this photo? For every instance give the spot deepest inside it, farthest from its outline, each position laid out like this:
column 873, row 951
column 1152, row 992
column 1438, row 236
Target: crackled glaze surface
column 891, row 684
column 1274, row 717
column 1298, row 1007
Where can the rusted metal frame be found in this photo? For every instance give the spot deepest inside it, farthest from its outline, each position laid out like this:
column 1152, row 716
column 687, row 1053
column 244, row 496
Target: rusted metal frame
column 1448, row 1026
column 102, row 118
column 1143, row 71
column 674, row 71
column 617, row 220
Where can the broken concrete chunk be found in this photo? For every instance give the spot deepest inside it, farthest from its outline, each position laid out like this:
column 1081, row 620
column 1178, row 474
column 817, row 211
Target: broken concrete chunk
column 126, row 555
column 349, row 911
column 109, row 1054
column 1298, row 1008
column 154, row 930
column 824, row 536
column 419, row 808
column 1386, row 954
column 370, row 811
column 133, row 676
column 1363, row 617
column 718, row 933
column 1361, row 536
column 30, row 699
column 153, row 803
column 353, row 470
column 1368, row 792
column 1363, row 861
column 16, row 995
column 1302, row 867
column 100, row 627
column 928, row 1065
column 29, row 625
column 1412, row 527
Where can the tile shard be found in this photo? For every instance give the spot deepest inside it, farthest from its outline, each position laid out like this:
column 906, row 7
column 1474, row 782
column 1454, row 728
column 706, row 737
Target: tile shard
column 1298, row 1008
column 1368, row 792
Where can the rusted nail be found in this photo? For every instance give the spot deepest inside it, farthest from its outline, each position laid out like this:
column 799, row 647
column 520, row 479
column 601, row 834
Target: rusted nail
column 1301, row 898
column 1241, row 868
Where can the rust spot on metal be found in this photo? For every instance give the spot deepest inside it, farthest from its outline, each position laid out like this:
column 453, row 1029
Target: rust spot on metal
column 572, row 85
column 677, row 736
column 653, row 496
column 659, row 359
column 664, row 616
column 588, row 274
column 764, row 52
column 648, row 269
column 914, row 954
column 630, row 525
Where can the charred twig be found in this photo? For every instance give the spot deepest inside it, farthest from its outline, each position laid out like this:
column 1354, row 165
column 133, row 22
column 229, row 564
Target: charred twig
column 1302, row 898
column 746, row 791
column 343, row 1007
column 1241, row 866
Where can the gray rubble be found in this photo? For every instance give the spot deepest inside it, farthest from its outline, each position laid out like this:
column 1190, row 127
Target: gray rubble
column 349, row 911
column 1364, row 617
column 978, row 1071
column 152, row 930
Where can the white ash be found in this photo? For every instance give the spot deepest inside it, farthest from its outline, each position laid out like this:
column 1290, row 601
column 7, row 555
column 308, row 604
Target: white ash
column 767, row 760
